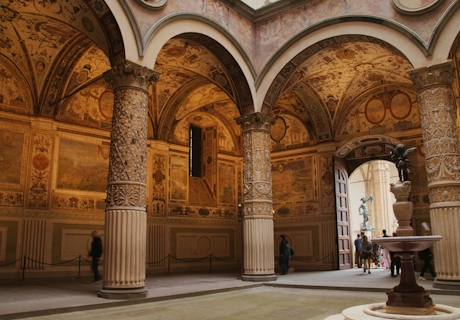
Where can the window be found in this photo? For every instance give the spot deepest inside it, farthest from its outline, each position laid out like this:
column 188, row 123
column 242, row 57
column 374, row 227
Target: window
column 195, row 151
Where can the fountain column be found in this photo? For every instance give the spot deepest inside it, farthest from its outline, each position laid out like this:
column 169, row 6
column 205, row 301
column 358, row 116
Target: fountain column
column 125, row 214
column 257, row 205
column 440, row 139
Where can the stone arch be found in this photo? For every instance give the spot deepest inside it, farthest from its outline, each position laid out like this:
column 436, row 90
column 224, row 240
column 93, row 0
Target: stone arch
column 215, row 39
column 351, row 145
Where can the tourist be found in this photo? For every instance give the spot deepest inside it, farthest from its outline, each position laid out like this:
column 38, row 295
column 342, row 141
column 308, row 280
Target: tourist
column 283, row 255
column 366, row 254
column 95, row 254
column 358, row 245
column 395, row 262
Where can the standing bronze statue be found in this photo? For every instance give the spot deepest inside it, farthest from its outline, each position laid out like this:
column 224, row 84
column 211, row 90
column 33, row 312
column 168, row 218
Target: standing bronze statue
column 398, row 155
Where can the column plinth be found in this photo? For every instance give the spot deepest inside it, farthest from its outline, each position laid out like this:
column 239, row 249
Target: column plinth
column 125, row 214
column 440, row 138
column 258, row 206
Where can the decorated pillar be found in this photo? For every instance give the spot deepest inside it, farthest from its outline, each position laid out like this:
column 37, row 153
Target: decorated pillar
column 257, row 199
column 440, row 139
column 125, row 214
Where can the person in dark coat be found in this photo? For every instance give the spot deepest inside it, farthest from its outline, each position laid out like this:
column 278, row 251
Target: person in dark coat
column 426, row 256
column 95, row 254
column 284, row 255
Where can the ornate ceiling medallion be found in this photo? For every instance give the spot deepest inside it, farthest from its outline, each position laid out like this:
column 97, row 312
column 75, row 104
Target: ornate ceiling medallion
column 415, row 7
column 153, row 4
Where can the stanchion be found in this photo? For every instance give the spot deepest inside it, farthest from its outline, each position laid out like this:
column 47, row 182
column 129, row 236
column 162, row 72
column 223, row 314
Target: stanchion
column 169, row 263
column 23, row 267
column 79, row 265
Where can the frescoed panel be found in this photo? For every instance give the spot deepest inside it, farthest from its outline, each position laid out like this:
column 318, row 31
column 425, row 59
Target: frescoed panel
column 13, row 95
column 178, row 178
column 82, row 166
column 226, row 183
column 11, row 146
column 400, row 106
column 375, row 111
column 293, row 180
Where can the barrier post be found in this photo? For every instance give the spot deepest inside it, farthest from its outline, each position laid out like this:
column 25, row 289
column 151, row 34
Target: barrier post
column 23, row 267
column 79, row 265
column 169, row 263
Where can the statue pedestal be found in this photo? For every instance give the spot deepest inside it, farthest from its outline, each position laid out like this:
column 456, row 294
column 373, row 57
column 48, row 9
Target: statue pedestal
column 402, row 207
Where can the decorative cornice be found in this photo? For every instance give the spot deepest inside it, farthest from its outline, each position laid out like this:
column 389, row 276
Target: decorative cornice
column 131, row 74
column 255, row 121
column 437, row 75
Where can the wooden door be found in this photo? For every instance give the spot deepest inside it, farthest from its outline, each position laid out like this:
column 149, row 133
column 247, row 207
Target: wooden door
column 345, row 253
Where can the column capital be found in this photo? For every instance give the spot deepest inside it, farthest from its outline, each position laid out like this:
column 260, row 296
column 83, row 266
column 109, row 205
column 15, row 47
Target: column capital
column 130, row 74
column 437, row 75
column 255, row 121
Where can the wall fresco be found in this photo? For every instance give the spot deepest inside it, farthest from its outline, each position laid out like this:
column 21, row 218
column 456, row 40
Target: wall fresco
column 82, row 166
column 13, row 97
column 11, row 145
column 292, row 180
column 178, row 178
column 226, row 183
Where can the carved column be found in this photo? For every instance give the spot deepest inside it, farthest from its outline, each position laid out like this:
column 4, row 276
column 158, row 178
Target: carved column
column 258, row 206
column 437, row 113
column 125, row 214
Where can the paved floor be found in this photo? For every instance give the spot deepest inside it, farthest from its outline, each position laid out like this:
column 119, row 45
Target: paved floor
column 319, row 294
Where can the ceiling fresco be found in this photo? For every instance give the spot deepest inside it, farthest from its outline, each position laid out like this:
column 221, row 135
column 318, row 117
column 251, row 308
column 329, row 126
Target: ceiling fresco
column 41, row 37
column 348, row 89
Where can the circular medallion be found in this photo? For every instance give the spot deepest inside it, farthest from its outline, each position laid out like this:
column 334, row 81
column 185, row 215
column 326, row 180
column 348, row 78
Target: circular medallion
column 106, row 104
column 158, row 176
column 41, row 162
column 82, row 76
column 400, row 105
column 375, row 110
column 278, row 129
column 175, row 52
column 414, row 7
column 87, row 24
column 39, row 66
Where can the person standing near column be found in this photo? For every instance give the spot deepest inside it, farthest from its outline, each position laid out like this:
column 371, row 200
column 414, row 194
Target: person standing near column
column 358, row 245
column 95, row 254
column 283, row 255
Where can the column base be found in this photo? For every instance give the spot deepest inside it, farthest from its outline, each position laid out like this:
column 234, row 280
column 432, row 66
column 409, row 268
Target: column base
column 123, row 294
column 447, row 284
column 259, row 277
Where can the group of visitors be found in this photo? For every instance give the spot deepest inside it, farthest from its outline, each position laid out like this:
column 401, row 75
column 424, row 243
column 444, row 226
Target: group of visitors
column 365, row 251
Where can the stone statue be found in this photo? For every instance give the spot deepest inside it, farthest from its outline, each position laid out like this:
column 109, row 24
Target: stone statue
column 363, row 211
column 398, row 155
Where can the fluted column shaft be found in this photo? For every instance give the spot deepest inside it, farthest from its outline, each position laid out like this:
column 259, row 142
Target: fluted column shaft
column 258, row 205
column 438, row 119
column 125, row 214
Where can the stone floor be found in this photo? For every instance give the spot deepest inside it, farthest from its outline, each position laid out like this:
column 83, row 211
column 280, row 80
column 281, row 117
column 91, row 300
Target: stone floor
column 301, row 295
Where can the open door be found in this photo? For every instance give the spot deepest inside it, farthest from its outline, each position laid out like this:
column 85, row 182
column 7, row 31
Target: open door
column 345, row 252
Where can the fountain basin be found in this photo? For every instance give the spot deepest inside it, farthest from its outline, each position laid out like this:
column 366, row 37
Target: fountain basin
column 407, row 243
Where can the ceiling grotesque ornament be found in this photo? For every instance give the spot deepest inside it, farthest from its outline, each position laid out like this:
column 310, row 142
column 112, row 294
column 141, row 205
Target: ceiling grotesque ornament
column 153, row 4
column 415, row 7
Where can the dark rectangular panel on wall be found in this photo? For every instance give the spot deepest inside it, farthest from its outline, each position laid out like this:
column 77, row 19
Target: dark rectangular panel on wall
column 342, row 214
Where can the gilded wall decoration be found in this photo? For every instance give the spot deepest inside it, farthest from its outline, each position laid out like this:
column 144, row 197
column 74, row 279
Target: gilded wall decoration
column 39, row 177
column 327, row 184
column 11, row 199
column 175, row 210
column 293, row 180
column 226, row 184
column 76, row 202
column 82, row 166
column 178, row 181
column 11, row 156
column 159, row 184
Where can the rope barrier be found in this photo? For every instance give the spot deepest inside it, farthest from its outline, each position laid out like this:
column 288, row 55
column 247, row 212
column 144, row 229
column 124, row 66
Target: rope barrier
column 4, row 265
